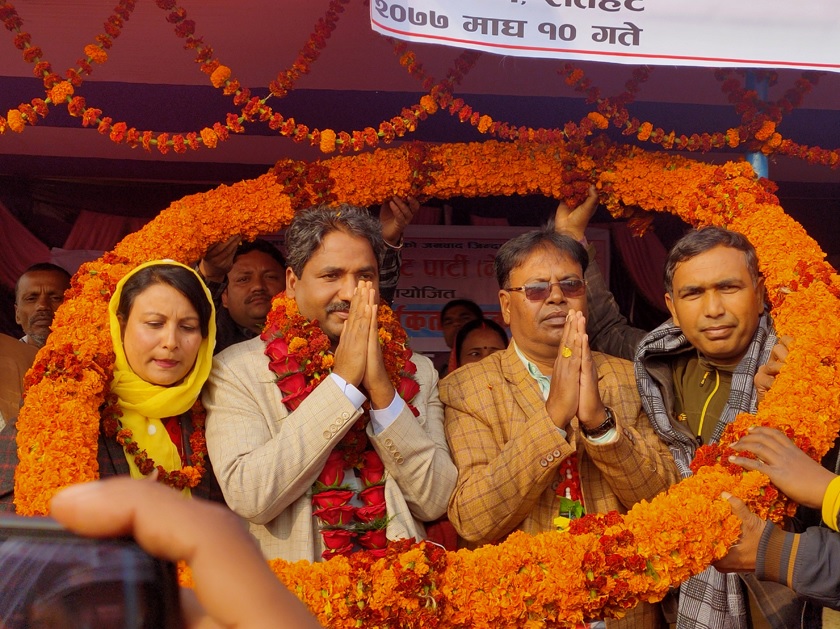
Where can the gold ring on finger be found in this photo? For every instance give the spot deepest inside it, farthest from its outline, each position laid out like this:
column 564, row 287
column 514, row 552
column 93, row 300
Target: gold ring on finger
column 566, row 352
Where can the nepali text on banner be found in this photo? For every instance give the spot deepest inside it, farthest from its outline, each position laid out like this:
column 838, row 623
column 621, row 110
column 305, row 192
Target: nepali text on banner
column 746, row 33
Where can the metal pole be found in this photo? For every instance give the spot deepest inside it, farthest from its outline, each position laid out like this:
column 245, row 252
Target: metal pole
column 757, row 159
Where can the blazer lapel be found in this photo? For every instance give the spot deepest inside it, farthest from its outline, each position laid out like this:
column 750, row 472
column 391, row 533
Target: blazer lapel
column 530, row 399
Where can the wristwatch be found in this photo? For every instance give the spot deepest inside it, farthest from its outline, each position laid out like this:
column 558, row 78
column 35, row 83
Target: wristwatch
column 599, row 431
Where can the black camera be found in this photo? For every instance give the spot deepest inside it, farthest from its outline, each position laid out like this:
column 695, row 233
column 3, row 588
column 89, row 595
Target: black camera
column 50, row 577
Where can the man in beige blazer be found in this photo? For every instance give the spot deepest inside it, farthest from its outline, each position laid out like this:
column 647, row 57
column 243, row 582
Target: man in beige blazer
column 514, row 419
column 267, row 458
column 15, row 359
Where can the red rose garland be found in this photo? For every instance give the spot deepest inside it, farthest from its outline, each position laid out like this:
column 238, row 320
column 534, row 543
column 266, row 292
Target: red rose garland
column 299, row 354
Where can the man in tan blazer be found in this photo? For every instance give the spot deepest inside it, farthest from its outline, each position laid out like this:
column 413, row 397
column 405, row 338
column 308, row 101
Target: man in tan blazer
column 267, row 458
column 515, row 419
column 15, row 359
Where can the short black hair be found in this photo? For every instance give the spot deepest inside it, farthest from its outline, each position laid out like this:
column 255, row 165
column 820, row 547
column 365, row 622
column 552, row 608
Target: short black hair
column 469, row 304
column 260, row 245
column 475, row 325
column 183, row 280
column 43, row 266
column 309, row 227
column 698, row 241
column 514, row 251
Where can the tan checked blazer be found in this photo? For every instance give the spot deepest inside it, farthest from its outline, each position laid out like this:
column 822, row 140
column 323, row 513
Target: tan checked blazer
column 15, row 359
column 266, row 459
column 508, row 451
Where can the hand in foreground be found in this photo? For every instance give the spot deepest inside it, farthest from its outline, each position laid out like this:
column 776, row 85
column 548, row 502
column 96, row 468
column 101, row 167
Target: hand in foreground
column 395, row 215
column 791, row 470
column 574, row 222
column 766, row 374
column 741, row 557
column 218, row 259
column 233, row 583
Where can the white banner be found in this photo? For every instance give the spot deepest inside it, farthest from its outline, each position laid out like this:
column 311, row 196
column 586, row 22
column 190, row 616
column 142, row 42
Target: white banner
column 716, row 33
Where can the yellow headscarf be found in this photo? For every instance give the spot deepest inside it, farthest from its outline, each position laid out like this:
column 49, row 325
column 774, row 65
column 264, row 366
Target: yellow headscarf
column 143, row 404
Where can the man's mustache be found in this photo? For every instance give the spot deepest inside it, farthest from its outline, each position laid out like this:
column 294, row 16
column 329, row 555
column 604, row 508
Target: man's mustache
column 257, row 294
column 38, row 318
column 338, row 306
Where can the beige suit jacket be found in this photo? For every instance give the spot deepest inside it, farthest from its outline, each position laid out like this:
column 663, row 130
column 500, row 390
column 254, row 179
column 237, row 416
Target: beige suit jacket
column 508, row 451
column 266, row 458
column 15, row 359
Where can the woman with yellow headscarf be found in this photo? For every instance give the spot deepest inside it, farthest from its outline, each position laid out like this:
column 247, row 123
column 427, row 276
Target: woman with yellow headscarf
column 162, row 325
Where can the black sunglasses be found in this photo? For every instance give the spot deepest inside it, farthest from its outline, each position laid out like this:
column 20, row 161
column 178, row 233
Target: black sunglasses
column 540, row 291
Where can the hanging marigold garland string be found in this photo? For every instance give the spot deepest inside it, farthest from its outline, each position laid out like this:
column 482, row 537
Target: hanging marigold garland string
column 605, row 563
column 758, row 130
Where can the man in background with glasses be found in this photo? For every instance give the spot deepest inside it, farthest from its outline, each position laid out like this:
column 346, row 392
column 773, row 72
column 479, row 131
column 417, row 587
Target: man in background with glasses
column 547, row 426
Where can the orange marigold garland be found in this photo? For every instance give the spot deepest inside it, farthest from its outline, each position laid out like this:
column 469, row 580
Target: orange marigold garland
column 606, row 563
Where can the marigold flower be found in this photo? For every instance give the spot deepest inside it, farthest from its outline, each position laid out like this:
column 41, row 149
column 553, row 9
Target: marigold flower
column 61, row 92
column 767, row 129
column 327, row 144
column 429, row 104
column 484, row 123
column 733, row 138
column 645, row 129
column 209, row 137
column 220, row 76
column 15, row 121
column 96, row 54
column 600, row 121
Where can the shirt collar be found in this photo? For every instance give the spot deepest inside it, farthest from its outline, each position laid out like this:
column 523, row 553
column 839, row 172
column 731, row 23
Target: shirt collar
column 543, row 381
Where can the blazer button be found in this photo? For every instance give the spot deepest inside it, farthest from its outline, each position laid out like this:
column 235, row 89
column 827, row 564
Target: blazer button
column 327, row 434
column 549, row 458
column 555, row 485
column 399, row 459
column 345, row 416
column 556, row 454
column 543, row 462
column 388, row 443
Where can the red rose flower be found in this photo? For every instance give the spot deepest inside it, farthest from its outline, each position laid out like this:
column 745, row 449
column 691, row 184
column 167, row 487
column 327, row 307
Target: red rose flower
column 408, row 388
column 346, row 551
column 332, row 498
column 333, row 472
column 336, row 516
column 292, row 401
column 277, row 349
column 409, row 368
column 373, row 539
column 293, row 384
column 378, row 552
column 373, row 495
column 372, row 469
column 371, row 513
column 337, row 538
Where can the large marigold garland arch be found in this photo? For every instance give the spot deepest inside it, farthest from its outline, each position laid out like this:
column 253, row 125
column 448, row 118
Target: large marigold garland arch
column 606, row 563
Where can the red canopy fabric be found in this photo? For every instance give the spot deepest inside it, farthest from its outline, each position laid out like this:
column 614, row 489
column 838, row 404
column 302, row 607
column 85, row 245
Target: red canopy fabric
column 19, row 248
